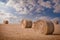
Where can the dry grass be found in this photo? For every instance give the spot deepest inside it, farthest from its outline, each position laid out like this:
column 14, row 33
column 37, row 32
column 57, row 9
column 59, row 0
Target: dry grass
column 15, row 32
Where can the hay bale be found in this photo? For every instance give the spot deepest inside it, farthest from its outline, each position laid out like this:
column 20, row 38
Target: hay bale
column 5, row 21
column 43, row 26
column 56, row 27
column 55, row 22
column 26, row 23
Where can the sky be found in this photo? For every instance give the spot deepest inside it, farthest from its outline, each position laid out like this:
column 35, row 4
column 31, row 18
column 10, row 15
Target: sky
column 16, row 10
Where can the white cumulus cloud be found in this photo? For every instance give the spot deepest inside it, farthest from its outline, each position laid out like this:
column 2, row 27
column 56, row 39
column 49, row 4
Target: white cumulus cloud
column 46, row 4
column 23, row 6
column 57, row 8
column 5, row 15
column 56, row 1
column 26, row 6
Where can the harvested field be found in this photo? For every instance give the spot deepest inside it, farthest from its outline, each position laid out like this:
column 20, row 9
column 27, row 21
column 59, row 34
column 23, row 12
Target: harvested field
column 15, row 32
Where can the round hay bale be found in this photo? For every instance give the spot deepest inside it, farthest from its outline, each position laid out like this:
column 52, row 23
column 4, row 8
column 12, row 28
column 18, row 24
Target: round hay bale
column 26, row 23
column 43, row 26
column 55, row 22
column 56, row 27
column 5, row 22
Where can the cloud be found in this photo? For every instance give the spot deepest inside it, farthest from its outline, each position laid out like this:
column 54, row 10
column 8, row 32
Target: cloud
column 7, row 13
column 20, row 6
column 56, row 1
column 43, row 18
column 46, row 4
column 57, row 8
column 4, row 1
column 31, row 6
column 23, row 6
column 2, row 4
column 27, row 6
column 6, row 16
